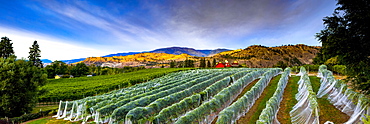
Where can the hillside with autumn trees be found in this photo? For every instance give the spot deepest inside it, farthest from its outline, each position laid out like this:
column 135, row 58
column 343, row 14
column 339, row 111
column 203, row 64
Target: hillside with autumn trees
column 255, row 56
column 258, row 56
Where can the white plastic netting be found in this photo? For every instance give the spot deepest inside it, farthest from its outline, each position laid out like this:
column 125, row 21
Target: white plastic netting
column 306, row 111
column 343, row 98
column 269, row 113
column 236, row 110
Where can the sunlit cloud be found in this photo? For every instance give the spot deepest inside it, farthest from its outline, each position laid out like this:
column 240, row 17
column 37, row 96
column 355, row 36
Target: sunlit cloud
column 124, row 26
column 51, row 48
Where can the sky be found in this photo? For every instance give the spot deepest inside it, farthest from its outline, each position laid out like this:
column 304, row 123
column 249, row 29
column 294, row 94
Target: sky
column 71, row 29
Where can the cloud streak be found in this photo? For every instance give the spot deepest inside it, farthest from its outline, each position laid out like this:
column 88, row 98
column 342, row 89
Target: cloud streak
column 146, row 25
column 51, row 48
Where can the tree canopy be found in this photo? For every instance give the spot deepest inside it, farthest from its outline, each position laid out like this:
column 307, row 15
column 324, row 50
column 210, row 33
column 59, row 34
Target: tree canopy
column 347, row 36
column 80, row 70
column 56, row 68
column 6, row 48
column 19, row 82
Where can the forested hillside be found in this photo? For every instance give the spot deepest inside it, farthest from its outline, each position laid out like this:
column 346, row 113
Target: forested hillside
column 262, row 56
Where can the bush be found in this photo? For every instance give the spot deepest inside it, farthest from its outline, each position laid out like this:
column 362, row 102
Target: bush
column 310, row 68
column 339, row 69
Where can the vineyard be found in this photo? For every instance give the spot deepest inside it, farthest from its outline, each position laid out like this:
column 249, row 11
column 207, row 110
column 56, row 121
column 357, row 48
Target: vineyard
column 221, row 96
column 78, row 88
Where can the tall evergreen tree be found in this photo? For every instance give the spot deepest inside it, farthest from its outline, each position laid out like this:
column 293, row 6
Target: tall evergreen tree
column 346, row 36
column 34, row 56
column 172, row 64
column 214, row 63
column 6, row 48
column 202, row 63
column 189, row 63
column 209, row 64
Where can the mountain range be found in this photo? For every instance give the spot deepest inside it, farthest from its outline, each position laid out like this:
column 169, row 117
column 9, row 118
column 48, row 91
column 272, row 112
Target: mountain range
column 255, row 56
column 169, row 50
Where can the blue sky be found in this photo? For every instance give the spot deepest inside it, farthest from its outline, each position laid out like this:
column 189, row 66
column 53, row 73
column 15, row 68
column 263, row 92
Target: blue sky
column 69, row 29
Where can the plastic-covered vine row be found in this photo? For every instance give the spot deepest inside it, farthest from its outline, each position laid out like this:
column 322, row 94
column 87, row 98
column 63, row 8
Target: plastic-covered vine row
column 306, row 111
column 269, row 113
column 232, row 113
column 343, row 98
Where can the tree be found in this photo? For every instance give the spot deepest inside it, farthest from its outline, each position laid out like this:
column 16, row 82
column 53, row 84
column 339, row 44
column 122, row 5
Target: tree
column 172, row 64
column 80, row 69
column 209, row 64
column 6, row 48
column 281, row 64
column 56, row 67
column 202, row 63
column 346, row 35
column 332, row 61
column 34, row 56
column 189, row 63
column 19, row 82
column 214, row 63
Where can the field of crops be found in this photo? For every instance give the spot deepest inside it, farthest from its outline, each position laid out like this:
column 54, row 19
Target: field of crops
column 78, row 88
column 221, row 96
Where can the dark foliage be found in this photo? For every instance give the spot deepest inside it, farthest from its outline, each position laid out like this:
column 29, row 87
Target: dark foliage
column 347, row 36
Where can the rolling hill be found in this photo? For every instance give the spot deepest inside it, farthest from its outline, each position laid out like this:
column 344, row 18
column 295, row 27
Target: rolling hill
column 262, row 56
column 141, row 59
column 190, row 51
column 255, row 56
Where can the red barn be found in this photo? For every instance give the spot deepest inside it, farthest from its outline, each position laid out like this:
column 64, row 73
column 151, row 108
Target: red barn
column 220, row 65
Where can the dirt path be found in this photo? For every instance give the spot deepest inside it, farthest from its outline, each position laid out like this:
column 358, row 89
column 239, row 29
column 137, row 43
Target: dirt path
column 253, row 114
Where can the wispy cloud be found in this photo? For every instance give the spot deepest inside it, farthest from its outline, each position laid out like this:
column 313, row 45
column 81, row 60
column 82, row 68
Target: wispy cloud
column 146, row 25
column 51, row 48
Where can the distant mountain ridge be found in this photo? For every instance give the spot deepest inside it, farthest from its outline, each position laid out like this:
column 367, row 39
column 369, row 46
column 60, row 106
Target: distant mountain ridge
column 255, row 56
column 189, row 51
column 168, row 50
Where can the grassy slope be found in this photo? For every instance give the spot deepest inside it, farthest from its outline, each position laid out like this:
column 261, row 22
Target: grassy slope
column 77, row 88
column 50, row 120
column 44, row 108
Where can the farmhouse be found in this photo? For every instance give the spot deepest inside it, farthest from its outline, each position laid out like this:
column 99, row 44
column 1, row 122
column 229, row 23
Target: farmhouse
column 235, row 64
column 58, row 76
column 227, row 64
column 220, row 65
